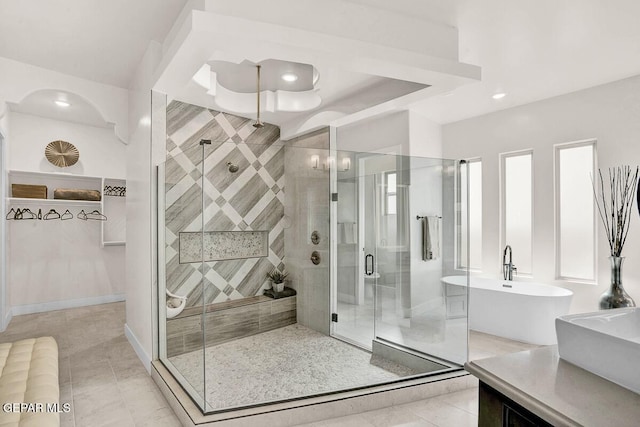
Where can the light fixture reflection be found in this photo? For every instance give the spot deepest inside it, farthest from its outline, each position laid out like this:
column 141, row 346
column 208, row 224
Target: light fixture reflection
column 330, row 163
column 61, row 103
column 346, row 164
column 499, row 95
column 315, row 161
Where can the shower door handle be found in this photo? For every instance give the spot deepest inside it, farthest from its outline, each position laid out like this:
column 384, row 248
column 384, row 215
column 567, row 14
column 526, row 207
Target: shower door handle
column 368, row 264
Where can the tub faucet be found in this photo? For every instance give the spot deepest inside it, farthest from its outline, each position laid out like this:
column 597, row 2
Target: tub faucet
column 508, row 267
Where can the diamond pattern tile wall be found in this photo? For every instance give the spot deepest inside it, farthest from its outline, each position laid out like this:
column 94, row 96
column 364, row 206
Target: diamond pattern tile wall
column 248, row 200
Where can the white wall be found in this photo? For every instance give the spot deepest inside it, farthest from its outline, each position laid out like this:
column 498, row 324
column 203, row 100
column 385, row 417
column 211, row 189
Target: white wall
column 380, row 134
column 140, row 211
column 58, row 264
column 426, row 199
column 104, row 275
column 426, row 192
column 5, row 303
column 425, row 136
column 608, row 113
column 101, row 152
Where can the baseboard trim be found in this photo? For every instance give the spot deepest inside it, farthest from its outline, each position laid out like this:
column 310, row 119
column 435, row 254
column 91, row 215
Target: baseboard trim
column 7, row 319
column 17, row 310
column 137, row 347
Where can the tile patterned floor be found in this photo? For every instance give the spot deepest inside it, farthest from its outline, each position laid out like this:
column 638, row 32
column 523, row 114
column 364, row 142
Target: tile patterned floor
column 103, row 379
column 239, row 374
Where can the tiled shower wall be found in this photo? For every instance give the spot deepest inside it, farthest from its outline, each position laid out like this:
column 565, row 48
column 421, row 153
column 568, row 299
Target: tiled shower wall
column 307, row 205
column 251, row 199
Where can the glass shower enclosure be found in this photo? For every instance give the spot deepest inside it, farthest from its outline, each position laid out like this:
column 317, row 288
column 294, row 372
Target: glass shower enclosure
column 395, row 221
column 365, row 239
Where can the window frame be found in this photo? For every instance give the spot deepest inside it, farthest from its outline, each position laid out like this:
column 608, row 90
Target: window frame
column 459, row 261
column 503, row 223
column 388, row 194
column 556, row 211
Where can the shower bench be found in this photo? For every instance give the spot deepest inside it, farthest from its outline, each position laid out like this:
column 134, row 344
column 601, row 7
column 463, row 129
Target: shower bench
column 227, row 321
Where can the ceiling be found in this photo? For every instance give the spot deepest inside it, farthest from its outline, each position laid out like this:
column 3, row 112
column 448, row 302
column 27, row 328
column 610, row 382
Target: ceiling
column 530, row 50
column 536, row 50
column 98, row 40
column 79, row 110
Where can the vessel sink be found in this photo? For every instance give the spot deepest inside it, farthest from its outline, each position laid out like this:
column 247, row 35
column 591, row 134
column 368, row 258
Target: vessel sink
column 606, row 343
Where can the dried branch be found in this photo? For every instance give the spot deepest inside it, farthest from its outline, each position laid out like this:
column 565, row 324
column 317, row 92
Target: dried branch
column 616, row 205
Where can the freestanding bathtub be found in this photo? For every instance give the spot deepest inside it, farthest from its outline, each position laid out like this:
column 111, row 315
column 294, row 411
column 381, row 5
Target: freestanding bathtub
column 521, row 311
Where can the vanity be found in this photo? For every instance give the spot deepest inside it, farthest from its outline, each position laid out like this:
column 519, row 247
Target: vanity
column 537, row 388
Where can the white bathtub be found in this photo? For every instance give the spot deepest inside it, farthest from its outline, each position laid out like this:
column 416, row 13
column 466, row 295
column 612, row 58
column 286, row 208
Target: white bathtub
column 521, row 311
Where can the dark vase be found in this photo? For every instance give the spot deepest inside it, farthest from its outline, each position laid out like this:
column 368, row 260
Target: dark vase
column 638, row 204
column 616, row 296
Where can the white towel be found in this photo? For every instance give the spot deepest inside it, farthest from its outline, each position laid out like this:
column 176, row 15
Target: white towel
column 431, row 230
column 347, row 232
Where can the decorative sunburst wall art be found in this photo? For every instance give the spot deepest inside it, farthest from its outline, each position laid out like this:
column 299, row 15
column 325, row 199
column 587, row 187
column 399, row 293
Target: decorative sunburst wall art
column 61, row 153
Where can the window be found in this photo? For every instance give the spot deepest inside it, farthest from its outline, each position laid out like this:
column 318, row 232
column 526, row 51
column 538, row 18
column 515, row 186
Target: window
column 575, row 211
column 391, row 193
column 517, row 207
column 470, row 236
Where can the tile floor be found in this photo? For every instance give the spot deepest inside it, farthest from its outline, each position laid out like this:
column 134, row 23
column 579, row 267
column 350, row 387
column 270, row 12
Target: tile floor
column 103, row 379
column 459, row 409
column 315, row 364
column 100, row 374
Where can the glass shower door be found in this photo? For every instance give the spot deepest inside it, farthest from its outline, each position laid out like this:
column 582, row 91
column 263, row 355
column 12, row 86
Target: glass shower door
column 389, row 293
column 371, row 244
column 354, row 311
column 415, row 237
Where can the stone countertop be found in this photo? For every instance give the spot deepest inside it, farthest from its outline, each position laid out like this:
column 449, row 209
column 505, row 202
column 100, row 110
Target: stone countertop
column 557, row 391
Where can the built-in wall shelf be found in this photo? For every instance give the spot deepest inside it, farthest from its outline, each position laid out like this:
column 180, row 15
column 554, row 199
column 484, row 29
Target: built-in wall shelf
column 112, row 231
column 114, row 207
column 13, row 201
column 51, row 175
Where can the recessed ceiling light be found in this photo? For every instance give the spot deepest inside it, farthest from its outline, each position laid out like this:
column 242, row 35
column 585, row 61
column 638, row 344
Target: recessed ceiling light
column 499, row 95
column 289, row 77
column 61, row 103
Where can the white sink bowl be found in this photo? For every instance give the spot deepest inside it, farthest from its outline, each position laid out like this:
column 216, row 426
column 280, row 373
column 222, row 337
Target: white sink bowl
column 606, row 343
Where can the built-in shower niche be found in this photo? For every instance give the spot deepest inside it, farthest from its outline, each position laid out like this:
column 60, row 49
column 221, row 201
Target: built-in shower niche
column 222, row 245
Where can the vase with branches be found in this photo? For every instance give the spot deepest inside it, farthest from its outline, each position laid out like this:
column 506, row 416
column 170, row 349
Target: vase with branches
column 615, row 205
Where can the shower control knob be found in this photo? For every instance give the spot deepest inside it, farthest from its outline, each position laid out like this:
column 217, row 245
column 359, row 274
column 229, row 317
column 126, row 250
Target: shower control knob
column 315, row 257
column 315, row 238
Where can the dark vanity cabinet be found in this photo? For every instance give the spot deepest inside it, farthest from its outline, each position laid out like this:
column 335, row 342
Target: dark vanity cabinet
column 497, row 410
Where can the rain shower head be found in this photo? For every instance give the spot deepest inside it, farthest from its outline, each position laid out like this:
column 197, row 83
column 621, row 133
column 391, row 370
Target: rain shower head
column 233, row 168
column 258, row 124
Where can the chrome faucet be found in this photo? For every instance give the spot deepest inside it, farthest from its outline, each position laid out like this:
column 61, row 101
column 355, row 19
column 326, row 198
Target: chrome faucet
column 508, row 267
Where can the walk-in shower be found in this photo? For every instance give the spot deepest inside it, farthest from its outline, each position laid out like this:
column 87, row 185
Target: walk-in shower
column 362, row 238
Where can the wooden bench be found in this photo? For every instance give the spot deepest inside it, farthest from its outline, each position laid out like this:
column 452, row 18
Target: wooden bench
column 227, row 321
